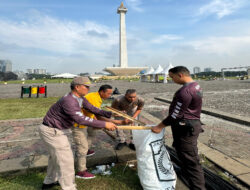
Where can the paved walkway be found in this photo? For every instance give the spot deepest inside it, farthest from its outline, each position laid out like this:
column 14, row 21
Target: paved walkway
column 21, row 148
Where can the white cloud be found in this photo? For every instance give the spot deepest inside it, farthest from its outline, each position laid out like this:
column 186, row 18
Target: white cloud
column 41, row 41
column 163, row 38
column 58, row 36
column 221, row 8
column 135, row 5
column 222, row 45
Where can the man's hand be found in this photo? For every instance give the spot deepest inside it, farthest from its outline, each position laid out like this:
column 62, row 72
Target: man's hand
column 110, row 126
column 127, row 122
column 117, row 122
column 158, row 128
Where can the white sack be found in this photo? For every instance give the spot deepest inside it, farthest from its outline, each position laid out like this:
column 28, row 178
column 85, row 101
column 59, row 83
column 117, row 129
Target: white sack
column 155, row 169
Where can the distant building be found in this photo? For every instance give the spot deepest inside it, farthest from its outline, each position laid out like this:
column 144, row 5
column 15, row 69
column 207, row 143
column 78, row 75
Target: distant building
column 197, row 70
column 208, row 69
column 40, row 71
column 5, row 66
column 36, row 71
column 20, row 74
column 30, row 71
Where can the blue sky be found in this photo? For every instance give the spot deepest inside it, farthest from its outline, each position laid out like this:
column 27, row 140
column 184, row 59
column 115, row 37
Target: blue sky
column 82, row 36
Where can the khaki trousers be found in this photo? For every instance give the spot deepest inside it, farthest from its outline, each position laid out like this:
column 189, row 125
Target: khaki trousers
column 124, row 136
column 80, row 136
column 91, row 136
column 61, row 160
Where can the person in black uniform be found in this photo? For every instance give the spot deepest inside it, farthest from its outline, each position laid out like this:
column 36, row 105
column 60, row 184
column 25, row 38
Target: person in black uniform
column 184, row 118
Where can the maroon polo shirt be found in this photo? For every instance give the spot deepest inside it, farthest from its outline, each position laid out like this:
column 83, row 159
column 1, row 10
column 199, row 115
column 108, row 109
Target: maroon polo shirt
column 186, row 104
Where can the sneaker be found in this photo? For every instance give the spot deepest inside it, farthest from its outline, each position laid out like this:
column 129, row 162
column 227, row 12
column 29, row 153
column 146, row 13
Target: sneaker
column 120, row 146
column 85, row 175
column 49, row 186
column 90, row 152
column 131, row 146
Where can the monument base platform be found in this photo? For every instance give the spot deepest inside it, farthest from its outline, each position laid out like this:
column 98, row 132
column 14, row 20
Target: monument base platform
column 128, row 71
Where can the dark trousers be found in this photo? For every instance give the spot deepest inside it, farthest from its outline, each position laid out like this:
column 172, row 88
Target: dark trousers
column 185, row 134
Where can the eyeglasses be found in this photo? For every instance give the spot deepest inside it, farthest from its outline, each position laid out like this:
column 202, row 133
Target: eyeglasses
column 86, row 86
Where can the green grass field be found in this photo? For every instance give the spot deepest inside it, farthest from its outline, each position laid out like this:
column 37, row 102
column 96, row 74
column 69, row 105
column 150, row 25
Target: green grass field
column 32, row 180
column 18, row 108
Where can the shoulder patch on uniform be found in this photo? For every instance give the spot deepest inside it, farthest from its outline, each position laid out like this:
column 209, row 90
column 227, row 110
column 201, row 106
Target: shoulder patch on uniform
column 197, row 87
column 79, row 113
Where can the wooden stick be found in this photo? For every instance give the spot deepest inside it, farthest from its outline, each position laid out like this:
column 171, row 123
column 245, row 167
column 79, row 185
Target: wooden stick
column 129, row 127
column 109, row 134
column 123, row 115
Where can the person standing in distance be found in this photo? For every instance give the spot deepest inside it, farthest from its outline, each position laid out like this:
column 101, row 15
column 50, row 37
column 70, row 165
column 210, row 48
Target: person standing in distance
column 184, row 118
column 57, row 126
column 132, row 105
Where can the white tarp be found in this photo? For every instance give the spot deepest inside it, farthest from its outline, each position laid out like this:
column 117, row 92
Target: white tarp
column 155, row 168
column 65, row 75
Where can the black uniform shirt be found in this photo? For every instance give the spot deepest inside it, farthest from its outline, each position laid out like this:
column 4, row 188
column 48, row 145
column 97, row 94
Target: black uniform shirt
column 186, row 104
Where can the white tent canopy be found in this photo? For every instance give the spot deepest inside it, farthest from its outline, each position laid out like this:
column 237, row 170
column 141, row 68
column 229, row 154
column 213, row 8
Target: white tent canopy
column 165, row 71
column 144, row 77
column 152, row 75
column 65, row 75
column 149, row 71
column 158, row 70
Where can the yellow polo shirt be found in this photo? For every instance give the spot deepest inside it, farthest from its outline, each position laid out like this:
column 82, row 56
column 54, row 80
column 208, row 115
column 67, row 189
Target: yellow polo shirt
column 95, row 99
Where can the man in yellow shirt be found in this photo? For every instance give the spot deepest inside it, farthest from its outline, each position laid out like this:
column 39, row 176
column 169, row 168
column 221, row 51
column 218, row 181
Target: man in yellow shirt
column 84, row 135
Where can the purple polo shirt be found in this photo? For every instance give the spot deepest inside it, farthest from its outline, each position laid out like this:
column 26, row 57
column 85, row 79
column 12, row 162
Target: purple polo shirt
column 67, row 111
column 186, row 104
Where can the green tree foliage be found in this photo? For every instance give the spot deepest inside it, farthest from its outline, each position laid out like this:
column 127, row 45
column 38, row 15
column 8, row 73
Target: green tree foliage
column 6, row 76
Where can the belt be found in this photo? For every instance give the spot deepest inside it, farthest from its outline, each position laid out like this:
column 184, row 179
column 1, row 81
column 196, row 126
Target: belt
column 79, row 126
column 47, row 125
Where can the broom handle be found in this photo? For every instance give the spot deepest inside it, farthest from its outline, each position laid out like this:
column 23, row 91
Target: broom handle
column 130, row 127
column 123, row 115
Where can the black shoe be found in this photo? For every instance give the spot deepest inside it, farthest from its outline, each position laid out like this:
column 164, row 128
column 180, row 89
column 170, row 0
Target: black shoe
column 131, row 146
column 120, row 146
column 48, row 186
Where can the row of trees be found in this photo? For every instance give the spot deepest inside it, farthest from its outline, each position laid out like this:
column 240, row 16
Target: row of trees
column 219, row 74
column 12, row 76
column 8, row 76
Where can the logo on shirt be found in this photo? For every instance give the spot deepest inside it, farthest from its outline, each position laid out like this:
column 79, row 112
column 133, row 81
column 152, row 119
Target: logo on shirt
column 176, row 110
column 79, row 113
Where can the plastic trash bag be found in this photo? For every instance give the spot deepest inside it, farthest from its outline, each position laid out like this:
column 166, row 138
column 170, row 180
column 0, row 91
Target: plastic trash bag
column 103, row 169
column 155, row 168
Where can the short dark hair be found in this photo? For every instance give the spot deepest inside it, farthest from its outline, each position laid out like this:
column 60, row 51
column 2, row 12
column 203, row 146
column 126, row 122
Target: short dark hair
column 72, row 86
column 130, row 91
column 104, row 87
column 180, row 69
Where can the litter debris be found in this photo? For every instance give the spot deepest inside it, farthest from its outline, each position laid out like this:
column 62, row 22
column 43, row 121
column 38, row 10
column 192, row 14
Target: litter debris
column 103, row 169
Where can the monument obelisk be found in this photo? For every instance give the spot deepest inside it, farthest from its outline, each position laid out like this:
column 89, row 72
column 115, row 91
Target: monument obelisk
column 123, row 57
column 123, row 69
